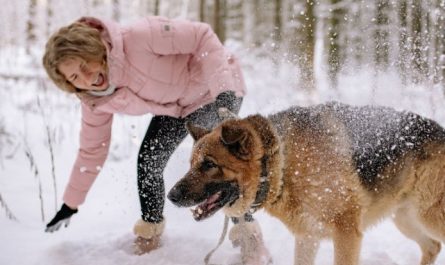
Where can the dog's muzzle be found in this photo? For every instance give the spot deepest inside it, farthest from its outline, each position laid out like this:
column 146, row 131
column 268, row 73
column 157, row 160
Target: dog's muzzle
column 210, row 200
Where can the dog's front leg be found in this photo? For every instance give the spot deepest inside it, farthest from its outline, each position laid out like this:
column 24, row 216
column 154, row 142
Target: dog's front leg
column 347, row 240
column 306, row 247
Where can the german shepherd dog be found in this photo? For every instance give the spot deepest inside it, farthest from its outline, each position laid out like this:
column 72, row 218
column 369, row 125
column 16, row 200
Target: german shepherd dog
column 326, row 171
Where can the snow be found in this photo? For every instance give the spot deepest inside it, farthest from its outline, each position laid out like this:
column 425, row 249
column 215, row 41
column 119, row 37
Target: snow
column 101, row 232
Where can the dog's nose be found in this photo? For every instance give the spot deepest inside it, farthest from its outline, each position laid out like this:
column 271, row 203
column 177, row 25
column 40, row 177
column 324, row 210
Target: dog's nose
column 176, row 194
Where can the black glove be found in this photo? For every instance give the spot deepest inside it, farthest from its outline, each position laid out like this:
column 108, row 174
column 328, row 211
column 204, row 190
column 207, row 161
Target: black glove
column 62, row 217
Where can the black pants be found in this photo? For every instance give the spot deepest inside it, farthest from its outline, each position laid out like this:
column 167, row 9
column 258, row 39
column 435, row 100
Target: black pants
column 163, row 136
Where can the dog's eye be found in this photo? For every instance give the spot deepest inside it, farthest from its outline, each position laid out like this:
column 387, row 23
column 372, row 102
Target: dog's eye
column 207, row 165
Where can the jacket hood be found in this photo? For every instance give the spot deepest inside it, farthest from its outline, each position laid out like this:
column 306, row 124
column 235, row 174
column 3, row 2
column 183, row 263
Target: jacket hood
column 112, row 38
column 110, row 33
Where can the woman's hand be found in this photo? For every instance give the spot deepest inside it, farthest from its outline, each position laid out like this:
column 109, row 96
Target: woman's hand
column 63, row 216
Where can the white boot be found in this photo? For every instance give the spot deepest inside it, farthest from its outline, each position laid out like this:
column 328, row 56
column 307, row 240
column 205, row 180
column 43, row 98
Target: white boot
column 148, row 236
column 248, row 236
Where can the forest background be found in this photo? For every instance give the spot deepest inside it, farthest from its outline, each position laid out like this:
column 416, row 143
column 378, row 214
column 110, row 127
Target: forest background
column 293, row 52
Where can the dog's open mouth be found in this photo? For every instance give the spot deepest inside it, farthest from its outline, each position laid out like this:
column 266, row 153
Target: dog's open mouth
column 226, row 194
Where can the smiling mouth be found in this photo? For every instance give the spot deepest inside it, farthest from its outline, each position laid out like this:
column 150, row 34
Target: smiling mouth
column 100, row 80
column 226, row 194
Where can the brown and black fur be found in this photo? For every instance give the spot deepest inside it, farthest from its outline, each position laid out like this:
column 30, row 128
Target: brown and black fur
column 332, row 170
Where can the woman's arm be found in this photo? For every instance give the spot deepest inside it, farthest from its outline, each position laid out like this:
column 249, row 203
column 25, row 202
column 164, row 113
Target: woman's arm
column 95, row 136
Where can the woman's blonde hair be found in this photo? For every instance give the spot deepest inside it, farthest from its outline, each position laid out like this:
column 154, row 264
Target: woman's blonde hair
column 75, row 40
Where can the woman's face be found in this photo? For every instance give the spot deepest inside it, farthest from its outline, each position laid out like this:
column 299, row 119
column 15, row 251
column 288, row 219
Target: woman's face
column 86, row 75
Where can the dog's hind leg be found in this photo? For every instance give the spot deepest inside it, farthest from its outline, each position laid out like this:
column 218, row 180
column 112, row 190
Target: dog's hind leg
column 306, row 248
column 408, row 224
column 427, row 203
column 347, row 238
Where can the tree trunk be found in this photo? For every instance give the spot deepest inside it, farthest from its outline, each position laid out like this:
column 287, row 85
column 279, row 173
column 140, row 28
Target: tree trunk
column 357, row 39
column 305, row 46
column 157, row 8
column 258, row 21
column 402, row 61
column 116, row 14
column 440, row 43
column 418, row 60
column 219, row 19
column 202, row 7
column 249, row 23
column 30, row 26
column 49, row 17
column 381, row 36
column 335, row 58
column 234, row 22
column 278, row 24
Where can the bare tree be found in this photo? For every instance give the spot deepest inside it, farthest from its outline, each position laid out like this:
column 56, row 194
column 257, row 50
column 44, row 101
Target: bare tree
column 157, row 7
column 149, row 7
column 418, row 60
column 356, row 38
column 278, row 23
column 305, row 46
column 251, row 21
column 116, row 11
column 335, row 50
column 49, row 16
column 219, row 15
column 50, row 141
column 35, row 170
column 381, row 35
column 234, row 23
column 437, row 44
column 202, row 8
column 403, row 46
column 277, row 30
column 440, row 37
column 8, row 212
column 31, row 26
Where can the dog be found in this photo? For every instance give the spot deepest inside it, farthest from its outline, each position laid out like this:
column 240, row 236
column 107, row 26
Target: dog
column 327, row 171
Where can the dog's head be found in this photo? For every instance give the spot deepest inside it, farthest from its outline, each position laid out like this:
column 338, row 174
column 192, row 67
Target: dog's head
column 225, row 170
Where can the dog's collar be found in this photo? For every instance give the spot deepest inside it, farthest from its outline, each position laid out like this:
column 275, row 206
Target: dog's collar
column 263, row 188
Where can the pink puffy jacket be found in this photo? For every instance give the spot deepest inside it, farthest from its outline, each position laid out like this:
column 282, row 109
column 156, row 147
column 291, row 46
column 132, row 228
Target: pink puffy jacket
column 160, row 66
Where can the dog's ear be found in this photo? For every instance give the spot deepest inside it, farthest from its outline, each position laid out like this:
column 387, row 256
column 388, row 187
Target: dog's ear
column 196, row 131
column 237, row 140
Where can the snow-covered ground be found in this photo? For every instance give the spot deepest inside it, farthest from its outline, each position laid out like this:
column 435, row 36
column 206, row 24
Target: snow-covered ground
column 101, row 232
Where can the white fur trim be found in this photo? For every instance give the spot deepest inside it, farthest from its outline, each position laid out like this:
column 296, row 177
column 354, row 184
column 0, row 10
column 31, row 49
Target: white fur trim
column 148, row 230
column 101, row 93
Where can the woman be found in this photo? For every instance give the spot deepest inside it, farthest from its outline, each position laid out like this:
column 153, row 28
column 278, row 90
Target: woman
column 176, row 70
